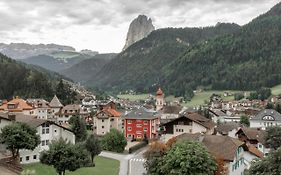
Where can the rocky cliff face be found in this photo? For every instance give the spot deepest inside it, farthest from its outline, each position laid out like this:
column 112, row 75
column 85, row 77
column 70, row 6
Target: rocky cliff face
column 139, row 28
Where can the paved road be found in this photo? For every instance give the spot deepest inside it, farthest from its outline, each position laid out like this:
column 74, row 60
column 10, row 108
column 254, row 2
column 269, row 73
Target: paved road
column 131, row 164
column 136, row 164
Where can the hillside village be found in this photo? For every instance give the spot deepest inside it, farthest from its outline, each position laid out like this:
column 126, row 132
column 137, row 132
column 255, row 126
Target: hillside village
column 218, row 126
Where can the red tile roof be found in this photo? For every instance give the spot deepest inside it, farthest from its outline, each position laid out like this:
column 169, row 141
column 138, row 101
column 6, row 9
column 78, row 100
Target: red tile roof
column 20, row 105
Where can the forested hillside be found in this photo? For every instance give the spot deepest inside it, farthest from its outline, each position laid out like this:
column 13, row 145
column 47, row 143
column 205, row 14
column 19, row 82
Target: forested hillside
column 86, row 69
column 246, row 60
column 180, row 60
column 18, row 80
column 140, row 66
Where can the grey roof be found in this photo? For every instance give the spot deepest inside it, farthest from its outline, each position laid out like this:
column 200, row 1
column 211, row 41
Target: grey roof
column 224, row 128
column 55, row 102
column 141, row 113
column 268, row 112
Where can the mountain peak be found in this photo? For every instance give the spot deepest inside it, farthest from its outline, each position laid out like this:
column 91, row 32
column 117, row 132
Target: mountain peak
column 139, row 28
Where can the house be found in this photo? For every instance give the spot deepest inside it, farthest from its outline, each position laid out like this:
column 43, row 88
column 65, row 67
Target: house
column 47, row 130
column 169, row 112
column 107, row 118
column 41, row 108
column 218, row 115
column 188, row 123
column 236, row 155
column 227, row 129
column 67, row 112
column 17, row 105
column 141, row 122
column 255, row 137
column 266, row 118
column 159, row 99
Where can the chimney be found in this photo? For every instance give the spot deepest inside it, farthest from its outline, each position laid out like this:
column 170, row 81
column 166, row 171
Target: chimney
column 12, row 117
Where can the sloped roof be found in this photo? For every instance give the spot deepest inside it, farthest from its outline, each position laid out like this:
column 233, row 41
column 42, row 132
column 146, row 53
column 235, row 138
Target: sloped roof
column 141, row 113
column 254, row 134
column 171, row 109
column 55, row 103
column 224, row 128
column 20, row 105
column 208, row 123
column 110, row 112
column 38, row 103
column 268, row 112
column 253, row 150
column 223, row 147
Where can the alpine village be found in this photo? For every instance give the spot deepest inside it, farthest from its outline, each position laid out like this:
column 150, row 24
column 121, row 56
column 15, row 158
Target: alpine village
column 174, row 101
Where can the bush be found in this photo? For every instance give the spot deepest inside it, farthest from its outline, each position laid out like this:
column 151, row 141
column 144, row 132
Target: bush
column 114, row 141
column 137, row 147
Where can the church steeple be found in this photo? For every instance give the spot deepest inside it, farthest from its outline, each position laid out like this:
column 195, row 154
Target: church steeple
column 159, row 99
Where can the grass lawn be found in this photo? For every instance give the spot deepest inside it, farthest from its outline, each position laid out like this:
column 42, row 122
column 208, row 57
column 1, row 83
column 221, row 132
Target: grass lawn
column 104, row 166
column 276, row 90
column 200, row 97
column 133, row 97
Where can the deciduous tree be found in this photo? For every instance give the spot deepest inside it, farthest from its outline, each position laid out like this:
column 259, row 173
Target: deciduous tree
column 273, row 139
column 114, row 141
column 18, row 136
column 92, row 145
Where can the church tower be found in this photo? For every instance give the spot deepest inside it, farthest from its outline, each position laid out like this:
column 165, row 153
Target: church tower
column 159, row 99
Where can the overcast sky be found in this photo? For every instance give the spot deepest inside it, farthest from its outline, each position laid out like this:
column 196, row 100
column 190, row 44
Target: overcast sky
column 102, row 25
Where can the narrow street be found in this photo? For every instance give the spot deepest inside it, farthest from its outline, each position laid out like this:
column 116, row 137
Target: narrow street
column 130, row 164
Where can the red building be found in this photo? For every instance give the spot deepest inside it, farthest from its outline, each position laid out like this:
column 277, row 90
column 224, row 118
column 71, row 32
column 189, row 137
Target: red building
column 141, row 122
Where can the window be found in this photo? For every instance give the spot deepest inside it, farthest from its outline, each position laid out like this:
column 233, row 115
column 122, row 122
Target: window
column 112, row 119
column 55, row 130
column 47, row 142
column 102, row 120
column 139, row 125
column 43, row 131
column 177, row 130
column 129, row 128
column 145, row 129
column 102, row 126
column 129, row 121
column 129, row 135
column 43, row 142
column 47, row 130
column 181, row 123
column 20, row 159
column 27, row 158
column 145, row 122
column 138, row 136
column 34, row 157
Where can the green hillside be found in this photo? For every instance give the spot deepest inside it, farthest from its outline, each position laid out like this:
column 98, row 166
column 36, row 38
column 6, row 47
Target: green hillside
column 139, row 67
column 18, row 80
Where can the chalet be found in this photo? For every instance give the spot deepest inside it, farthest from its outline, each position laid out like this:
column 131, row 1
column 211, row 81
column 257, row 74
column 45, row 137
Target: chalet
column 17, row 105
column 188, row 123
column 47, row 130
column 141, row 122
column 169, row 112
column 255, row 137
column 266, row 118
column 236, row 155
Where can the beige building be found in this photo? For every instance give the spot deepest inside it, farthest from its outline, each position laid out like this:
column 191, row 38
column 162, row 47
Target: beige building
column 106, row 119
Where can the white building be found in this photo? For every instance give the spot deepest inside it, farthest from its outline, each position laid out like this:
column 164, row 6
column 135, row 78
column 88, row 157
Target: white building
column 266, row 118
column 48, row 131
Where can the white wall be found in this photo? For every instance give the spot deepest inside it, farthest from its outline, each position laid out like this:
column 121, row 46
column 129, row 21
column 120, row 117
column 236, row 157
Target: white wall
column 55, row 133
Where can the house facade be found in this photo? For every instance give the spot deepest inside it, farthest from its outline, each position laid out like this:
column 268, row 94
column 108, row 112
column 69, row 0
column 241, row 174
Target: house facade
column 236, row 155
column 188, row 123
column 140, row 123
column 106, row 119
column 266, row 118
column 47, row 130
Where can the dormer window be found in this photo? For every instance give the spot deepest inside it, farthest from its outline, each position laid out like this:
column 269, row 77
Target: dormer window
column 11, row 106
